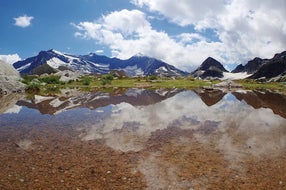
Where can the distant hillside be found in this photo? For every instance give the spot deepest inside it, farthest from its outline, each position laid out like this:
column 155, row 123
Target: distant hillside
column 53, row 61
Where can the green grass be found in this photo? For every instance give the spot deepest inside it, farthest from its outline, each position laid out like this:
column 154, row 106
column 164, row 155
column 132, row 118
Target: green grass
column 86, row 80
column 52, row 84
column 28, row 79
column 53, row 79
column 254, row 85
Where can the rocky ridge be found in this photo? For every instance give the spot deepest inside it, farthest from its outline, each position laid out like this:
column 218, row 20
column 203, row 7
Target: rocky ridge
column 52, row 61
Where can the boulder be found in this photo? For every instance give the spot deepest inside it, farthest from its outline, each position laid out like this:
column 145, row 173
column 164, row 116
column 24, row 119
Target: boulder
column 68, row 75
column 9, row 79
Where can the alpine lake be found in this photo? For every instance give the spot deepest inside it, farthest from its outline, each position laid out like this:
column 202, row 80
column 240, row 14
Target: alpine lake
column 133, row 138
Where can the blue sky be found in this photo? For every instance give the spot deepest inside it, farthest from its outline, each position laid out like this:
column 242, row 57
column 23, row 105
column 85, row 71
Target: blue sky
column 183, row 32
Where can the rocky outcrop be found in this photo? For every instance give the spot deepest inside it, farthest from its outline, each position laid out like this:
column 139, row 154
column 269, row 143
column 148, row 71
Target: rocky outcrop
column 9, row 79
column 210, row 68
column 275, row 67
column 68, row 75
column 251, row 67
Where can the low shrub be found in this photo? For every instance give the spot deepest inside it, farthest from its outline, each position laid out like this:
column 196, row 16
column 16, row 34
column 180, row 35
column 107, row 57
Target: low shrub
column 33, row 88
column 106, row 79
column 86, row 80
column 52, row 79
column 52, row 90
column 153, row 77
column 28, row 79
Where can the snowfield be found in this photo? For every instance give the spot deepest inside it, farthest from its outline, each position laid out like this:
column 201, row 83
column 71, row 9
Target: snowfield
column 235, row 76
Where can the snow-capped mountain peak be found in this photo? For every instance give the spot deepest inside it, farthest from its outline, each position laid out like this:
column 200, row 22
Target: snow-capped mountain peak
column 52, row 61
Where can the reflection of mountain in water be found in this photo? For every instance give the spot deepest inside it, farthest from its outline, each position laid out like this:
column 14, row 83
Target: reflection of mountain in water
column 256, row 99
column 210, row 97
column 93, row 100
column 276, row 102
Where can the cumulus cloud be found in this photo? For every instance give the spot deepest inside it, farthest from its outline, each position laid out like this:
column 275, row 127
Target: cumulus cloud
column 23, row 21
column 128, row 32
column 11, row 58
column 184, row 12
column 244, row 29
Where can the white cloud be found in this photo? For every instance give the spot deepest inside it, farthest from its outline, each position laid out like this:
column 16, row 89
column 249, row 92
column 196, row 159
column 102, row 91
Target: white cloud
column 245, row 29
column 184, row 12
column 23, row 21
column 129, row 32
column 11, row 58
column 99, row 51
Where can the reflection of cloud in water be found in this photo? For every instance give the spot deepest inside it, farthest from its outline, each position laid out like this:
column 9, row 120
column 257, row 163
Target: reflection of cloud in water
column 14, row 109
column 265, row 132
column 230, row 119
column 160, row 176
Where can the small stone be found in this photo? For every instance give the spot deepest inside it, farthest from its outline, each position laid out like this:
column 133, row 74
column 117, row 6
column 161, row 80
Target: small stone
column 108, row 172
column 22, row 180
column 280, row 182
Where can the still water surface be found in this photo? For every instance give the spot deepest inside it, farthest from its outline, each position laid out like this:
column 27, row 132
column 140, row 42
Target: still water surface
column 144, row 139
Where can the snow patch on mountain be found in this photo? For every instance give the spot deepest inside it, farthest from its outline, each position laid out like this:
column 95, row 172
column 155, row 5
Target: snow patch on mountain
column 24, row 67
column 55, row 62
column 94, row 64
column 161, row 69
column 235, row 76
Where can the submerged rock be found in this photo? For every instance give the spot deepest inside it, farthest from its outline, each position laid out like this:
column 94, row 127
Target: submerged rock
column 9, row 79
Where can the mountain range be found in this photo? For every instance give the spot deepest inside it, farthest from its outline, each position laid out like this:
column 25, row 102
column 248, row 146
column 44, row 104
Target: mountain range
column 266, row 69
column 53, row 61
